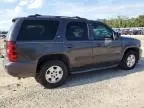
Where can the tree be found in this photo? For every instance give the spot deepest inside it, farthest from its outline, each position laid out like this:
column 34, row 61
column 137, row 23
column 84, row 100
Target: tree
column 125, row 22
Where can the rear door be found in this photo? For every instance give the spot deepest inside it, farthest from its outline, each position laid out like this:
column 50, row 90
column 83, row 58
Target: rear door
column 78, row 45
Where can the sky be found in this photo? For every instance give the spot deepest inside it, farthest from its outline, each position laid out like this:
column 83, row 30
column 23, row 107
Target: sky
column 91, row 9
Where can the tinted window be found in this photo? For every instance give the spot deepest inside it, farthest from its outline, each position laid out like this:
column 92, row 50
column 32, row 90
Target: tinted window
column 38, row 30
column 101, row 32
column 77, row 31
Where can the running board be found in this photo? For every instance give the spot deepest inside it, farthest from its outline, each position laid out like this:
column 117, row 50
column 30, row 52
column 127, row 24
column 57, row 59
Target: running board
column 94, row 69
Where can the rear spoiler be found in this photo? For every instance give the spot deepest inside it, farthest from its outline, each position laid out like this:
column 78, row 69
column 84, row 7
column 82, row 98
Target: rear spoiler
column 13, row 20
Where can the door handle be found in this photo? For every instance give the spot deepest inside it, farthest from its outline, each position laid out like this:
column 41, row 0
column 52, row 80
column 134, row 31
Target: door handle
column 108, row 46
column 69, row 46
column 98, row 45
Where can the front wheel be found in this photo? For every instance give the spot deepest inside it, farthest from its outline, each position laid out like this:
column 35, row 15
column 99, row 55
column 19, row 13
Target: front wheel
column 52, row 74
column 129, row 60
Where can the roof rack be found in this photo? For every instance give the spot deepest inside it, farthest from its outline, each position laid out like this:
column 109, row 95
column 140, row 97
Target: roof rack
column 36, row 15
column 79, row 17
column 76, row 17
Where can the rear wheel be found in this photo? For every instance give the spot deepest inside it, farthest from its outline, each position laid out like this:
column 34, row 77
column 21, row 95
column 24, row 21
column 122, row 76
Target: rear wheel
column 129, row 60
column 52, row 74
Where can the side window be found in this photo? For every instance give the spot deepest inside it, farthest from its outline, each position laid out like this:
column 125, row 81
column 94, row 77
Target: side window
column 77, row 31
column 33, row 30
column 100, row 32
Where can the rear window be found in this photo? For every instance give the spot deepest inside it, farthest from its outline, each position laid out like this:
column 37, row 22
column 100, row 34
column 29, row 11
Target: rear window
column 33, row 30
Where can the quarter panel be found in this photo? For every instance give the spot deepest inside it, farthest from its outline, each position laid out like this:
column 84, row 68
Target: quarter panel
column 32, row 51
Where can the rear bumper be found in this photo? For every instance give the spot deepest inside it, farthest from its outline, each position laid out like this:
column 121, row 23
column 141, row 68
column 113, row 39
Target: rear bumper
column 20, row 69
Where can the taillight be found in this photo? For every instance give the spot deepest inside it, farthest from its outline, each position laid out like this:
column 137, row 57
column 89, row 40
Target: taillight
column 11, row 51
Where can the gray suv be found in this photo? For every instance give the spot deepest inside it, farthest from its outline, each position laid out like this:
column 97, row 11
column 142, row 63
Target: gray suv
column 52, row 47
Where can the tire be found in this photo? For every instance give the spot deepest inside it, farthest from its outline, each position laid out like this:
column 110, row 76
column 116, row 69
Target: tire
column 124, row 62
column 50, row 71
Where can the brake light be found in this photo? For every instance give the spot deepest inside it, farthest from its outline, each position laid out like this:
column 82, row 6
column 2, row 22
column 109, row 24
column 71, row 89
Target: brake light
column 11, row 51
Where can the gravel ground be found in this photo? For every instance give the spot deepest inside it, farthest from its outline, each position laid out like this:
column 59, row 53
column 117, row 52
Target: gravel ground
column 112, row 88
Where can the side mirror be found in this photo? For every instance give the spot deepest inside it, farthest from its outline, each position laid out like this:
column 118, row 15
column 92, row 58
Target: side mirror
column 116, row 35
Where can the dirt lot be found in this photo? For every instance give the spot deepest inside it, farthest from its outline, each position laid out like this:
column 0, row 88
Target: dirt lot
column 113, row 88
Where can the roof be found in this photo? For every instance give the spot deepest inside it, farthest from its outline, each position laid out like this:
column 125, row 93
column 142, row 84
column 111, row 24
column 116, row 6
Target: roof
column 55, row 17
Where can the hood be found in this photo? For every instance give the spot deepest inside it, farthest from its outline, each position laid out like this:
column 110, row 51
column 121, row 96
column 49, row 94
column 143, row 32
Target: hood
column 130, row 41
column 127, row 38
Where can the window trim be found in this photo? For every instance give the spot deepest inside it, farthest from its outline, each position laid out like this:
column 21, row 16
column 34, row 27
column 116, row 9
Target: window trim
column 87, row 28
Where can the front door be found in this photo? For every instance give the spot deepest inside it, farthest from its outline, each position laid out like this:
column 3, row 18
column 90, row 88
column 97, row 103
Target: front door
column 106, row 50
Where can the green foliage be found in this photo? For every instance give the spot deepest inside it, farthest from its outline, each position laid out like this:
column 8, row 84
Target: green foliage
column 122, row 22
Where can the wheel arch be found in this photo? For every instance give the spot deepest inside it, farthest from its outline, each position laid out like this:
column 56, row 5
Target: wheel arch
column 136, row 49
column 62, row 57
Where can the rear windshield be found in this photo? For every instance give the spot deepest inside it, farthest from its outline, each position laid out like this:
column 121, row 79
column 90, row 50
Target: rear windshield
column 32, row 30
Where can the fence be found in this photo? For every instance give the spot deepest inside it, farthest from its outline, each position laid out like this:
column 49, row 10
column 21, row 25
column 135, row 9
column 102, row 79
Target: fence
column 1, row 48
